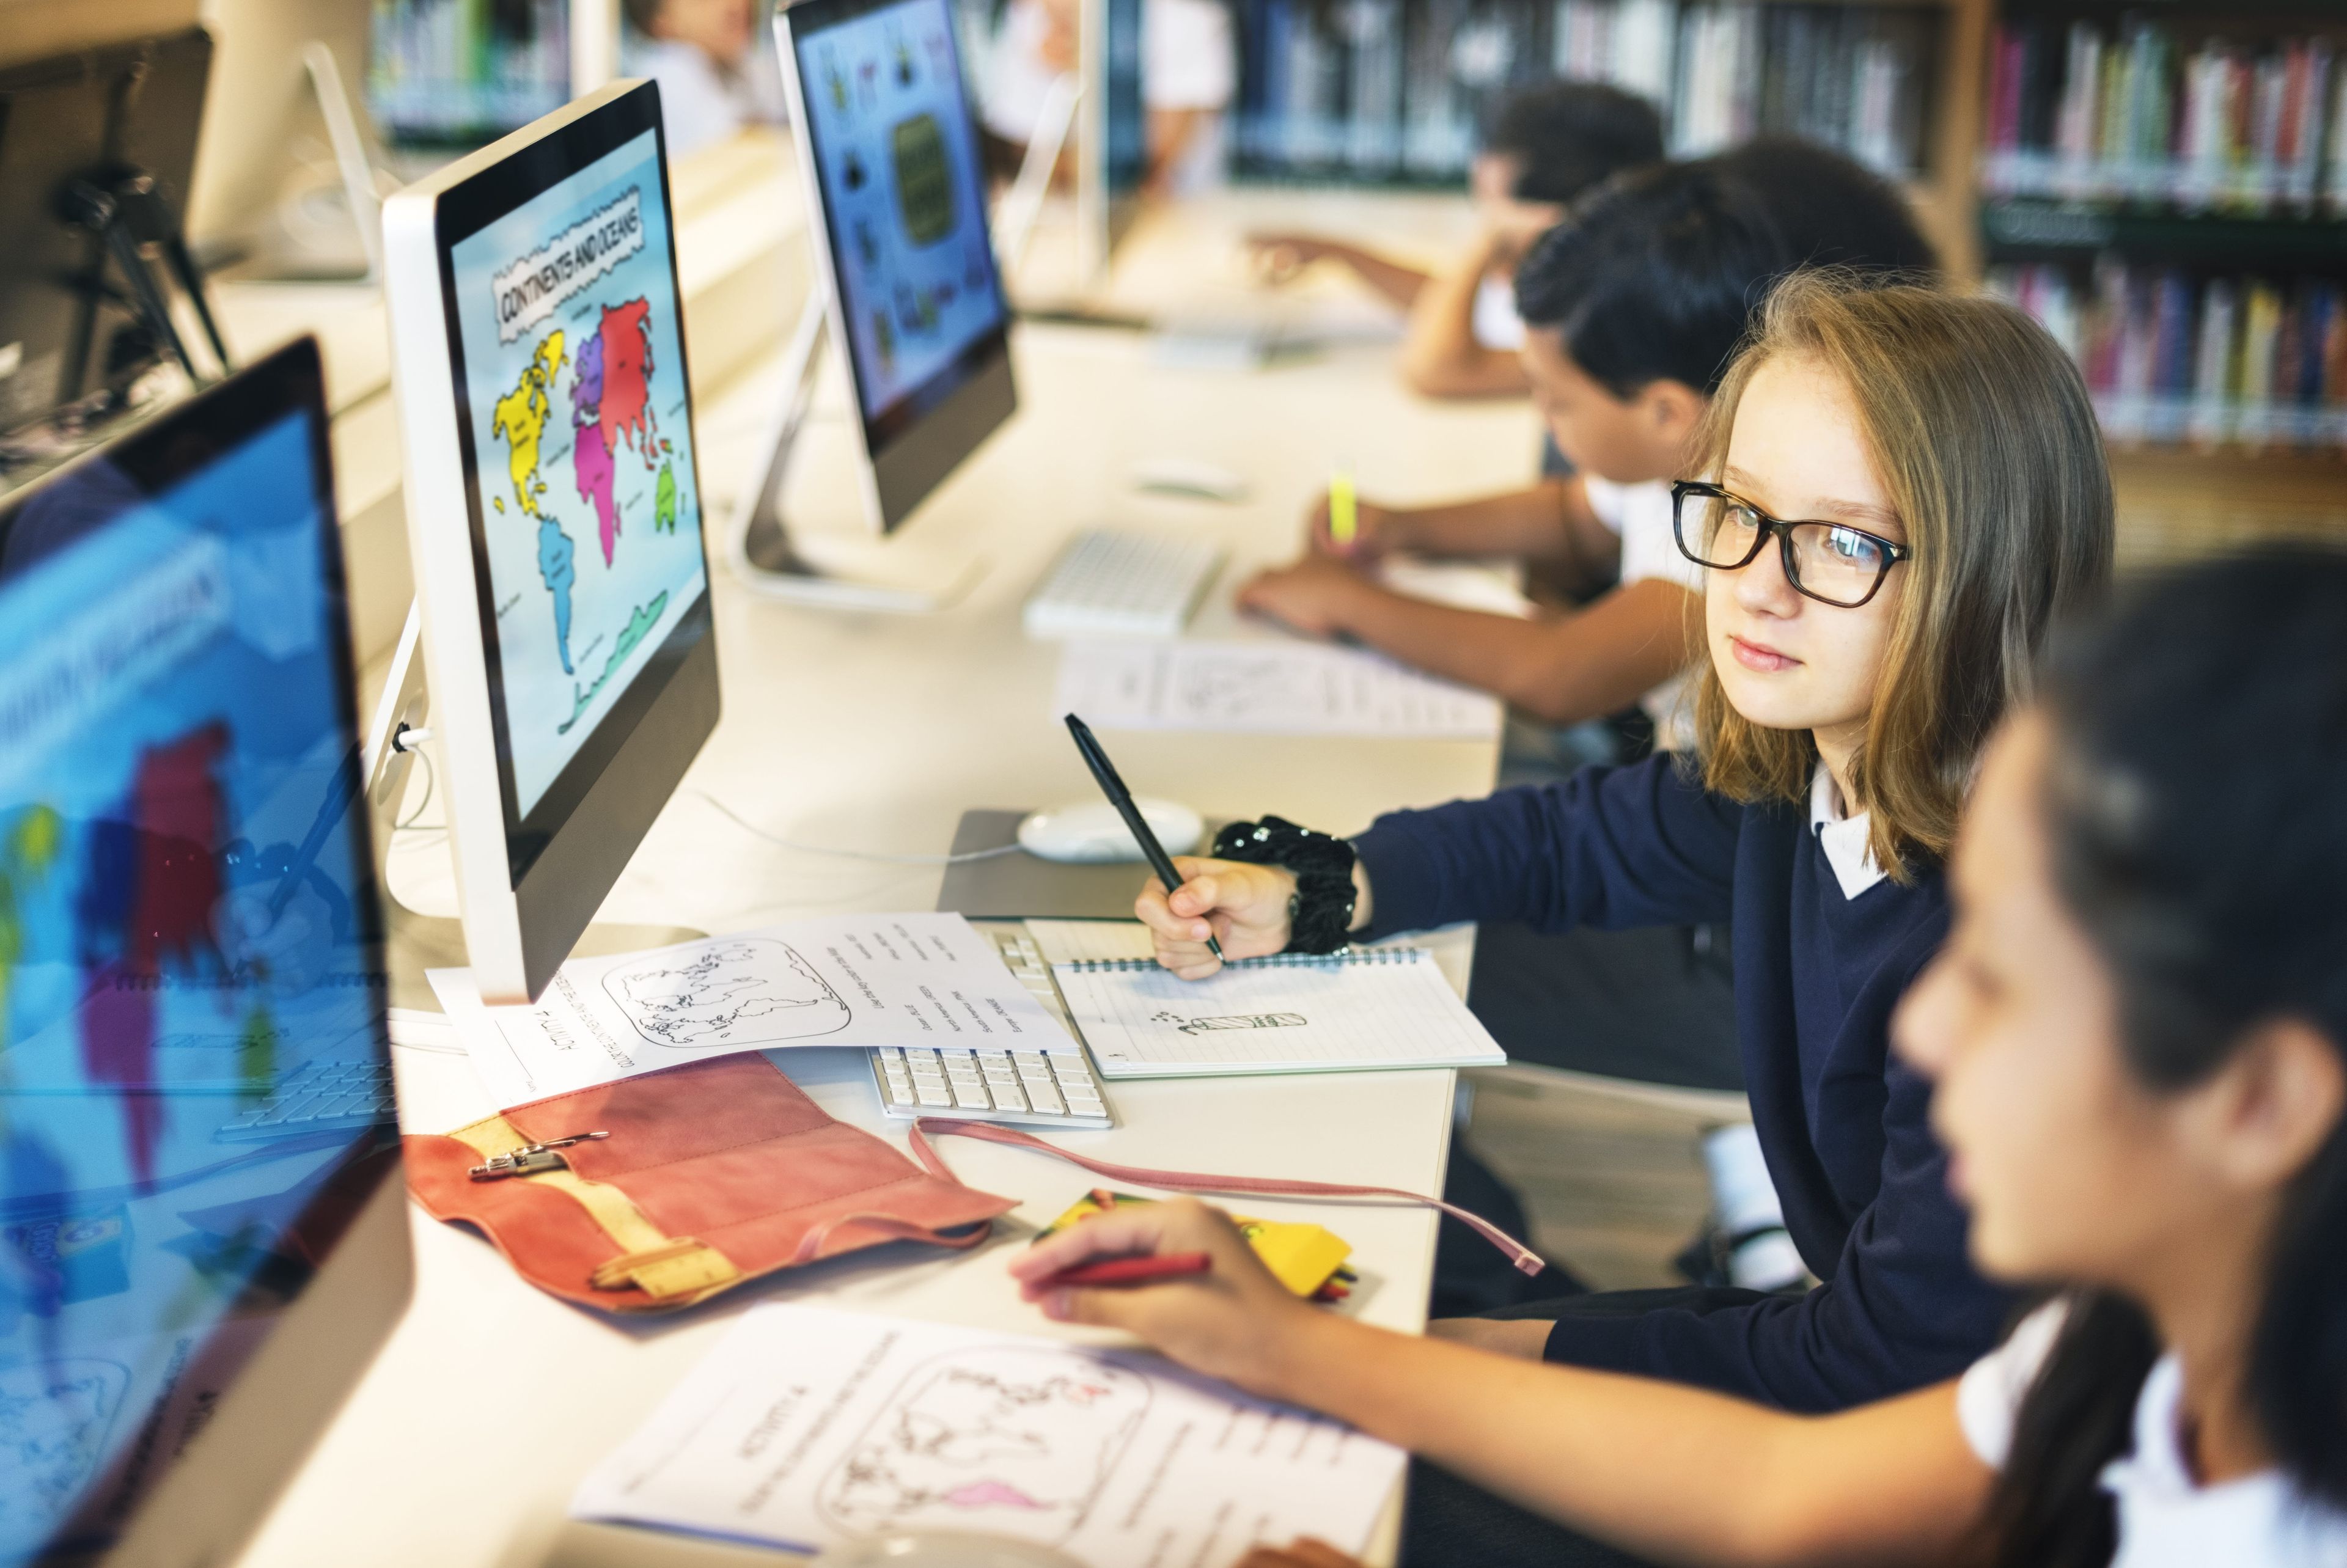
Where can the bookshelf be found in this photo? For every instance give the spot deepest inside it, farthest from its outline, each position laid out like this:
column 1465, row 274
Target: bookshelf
column 2165, row 185
column 1390, row 92
column 2126, row 169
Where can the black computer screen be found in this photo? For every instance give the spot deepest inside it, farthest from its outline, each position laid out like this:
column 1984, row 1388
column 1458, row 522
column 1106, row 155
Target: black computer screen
column 191, row 1005
column 66, row 327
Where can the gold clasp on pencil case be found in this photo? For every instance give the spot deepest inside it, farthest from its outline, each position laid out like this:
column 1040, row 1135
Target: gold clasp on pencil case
column 530, row 1159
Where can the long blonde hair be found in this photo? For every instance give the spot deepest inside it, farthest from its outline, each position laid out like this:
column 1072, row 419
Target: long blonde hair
column 1980, row 432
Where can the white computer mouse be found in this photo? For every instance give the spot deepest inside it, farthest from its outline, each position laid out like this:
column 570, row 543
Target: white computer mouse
column 1092, row 833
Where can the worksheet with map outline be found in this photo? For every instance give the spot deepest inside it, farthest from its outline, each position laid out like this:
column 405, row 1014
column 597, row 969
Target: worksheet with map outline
column 913, row 980
column 809, row 1427
column 575, row 392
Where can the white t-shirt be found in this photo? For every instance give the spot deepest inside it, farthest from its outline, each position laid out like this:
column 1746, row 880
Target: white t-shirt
column 1190, row 62
column 1497, row 325
column 2166, row 1520
column 700, row 104
column 1016, row 80
column 1641, row 514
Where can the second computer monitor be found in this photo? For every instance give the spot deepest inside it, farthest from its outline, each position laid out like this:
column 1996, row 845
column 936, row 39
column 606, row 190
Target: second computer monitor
column 889, row 155
column 554, row 514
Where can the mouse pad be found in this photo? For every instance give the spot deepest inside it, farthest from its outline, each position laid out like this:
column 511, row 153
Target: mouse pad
column 1019, row 886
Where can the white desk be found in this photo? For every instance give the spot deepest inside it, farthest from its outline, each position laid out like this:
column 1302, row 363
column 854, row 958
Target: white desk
column 464, row 1438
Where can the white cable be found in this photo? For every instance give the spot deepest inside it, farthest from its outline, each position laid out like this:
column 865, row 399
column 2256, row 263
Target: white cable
column 752, row 827
column 430, row 778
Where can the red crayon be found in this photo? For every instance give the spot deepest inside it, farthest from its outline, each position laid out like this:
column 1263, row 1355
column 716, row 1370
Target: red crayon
column 1132, row 1270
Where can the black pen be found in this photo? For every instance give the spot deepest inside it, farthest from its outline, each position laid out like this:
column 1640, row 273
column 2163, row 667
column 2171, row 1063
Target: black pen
column 1120, row 797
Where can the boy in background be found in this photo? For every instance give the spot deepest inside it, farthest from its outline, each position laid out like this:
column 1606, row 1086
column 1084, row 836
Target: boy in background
column 1548, row 146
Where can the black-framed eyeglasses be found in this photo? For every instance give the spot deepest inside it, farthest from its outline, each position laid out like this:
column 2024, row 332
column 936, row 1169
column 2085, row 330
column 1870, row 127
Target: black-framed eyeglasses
column 1832, row 563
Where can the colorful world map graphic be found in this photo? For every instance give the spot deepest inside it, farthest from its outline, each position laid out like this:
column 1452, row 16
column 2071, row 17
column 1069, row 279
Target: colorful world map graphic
column 610, row 408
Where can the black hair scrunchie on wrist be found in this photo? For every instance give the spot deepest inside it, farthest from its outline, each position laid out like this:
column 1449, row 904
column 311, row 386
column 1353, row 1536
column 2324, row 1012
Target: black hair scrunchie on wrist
column 1320, row 914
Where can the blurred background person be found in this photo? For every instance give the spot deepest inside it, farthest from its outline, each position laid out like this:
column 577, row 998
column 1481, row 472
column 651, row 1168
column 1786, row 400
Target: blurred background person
column 714, row 61
column 1547, row 145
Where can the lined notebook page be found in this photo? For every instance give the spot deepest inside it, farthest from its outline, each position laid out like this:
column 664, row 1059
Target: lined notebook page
column 1078, row 941
column 1383, row 1007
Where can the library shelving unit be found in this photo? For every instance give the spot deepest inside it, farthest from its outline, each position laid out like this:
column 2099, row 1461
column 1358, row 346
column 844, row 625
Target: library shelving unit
column 2165, row 185
column 1390, row 92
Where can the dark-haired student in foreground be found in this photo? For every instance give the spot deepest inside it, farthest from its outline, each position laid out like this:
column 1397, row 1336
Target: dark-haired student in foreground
column 2137, row 1035
column 1876, row 464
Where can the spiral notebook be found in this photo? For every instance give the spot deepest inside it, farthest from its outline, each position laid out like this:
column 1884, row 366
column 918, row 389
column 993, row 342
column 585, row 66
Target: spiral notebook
column 1369, row 1008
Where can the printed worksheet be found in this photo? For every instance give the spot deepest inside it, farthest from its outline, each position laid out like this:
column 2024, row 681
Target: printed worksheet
column 807, row 1428
column 1265, row 688
column 846, row 980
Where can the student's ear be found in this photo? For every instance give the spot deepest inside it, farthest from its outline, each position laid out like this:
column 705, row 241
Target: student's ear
column 1671, row 409
column 2272, row 1105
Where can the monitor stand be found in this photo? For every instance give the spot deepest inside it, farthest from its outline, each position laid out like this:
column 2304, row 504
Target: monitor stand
column 413, row 943
column 769, row 561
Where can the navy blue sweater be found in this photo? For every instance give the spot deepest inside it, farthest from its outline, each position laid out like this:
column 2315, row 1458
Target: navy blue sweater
column 1840, row 1119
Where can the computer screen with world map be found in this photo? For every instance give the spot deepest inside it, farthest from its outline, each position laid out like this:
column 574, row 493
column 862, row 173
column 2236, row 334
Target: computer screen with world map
column 571, row 378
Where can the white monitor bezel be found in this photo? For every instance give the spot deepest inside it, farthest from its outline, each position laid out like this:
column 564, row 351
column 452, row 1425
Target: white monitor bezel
column 524, row 904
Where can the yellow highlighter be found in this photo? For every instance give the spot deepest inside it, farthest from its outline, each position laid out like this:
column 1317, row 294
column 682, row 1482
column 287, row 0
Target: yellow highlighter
column 1344, row 512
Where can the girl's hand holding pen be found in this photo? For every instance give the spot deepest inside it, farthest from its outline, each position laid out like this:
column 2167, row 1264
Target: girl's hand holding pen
column 1246, row 907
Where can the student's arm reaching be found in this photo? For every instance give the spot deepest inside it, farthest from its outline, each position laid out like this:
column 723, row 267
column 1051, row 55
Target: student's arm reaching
column 1550, row 522
column 1608, row 1454
column 1441, row 356
column 1596, row 661
column 1280, row 257
column 1609, row 847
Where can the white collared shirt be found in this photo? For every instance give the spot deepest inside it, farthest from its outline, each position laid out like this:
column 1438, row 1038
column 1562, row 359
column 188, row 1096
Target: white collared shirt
column 2166, row 1520
column 1844, row 839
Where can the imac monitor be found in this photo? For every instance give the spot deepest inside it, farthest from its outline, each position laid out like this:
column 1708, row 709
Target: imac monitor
column 66, row 328
column 889, row 155
column 187, row 931
column 554, row 514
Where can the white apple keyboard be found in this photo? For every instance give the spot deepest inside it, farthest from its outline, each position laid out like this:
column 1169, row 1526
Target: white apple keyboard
column 1114, row 582
column 1053, row 1087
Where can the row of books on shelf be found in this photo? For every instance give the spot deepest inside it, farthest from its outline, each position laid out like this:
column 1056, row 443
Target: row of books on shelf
column 2089, row 113
column 2172, row 358
column 464, row 68
column 1398, row 88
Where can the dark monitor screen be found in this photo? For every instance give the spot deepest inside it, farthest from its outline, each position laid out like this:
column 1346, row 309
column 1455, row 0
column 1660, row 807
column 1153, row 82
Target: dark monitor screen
column 903, row 192
column 65, row 329
column 1126, row 114
column 189, row 946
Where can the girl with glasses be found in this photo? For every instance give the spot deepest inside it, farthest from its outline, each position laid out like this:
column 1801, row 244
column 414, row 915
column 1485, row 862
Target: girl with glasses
column 1838, row 732
column 2137, row 1036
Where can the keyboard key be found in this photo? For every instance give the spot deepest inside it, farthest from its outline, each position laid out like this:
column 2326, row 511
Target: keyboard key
column 934, row 1094
column 971, row 1097
column 1008, row 1095
column 1046, row 1099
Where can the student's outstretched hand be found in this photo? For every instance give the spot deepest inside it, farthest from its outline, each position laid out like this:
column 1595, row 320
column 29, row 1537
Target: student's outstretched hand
column 1316, row 595
column 1378, row 532
column 1231, row 1322
column 1280, row 257
column 1242, row 907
